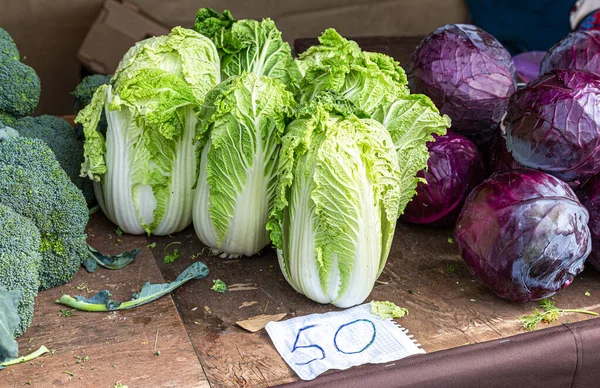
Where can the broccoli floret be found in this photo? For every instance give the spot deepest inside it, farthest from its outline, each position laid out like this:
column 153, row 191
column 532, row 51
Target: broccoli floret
column 83, row 94
column 20, row 261
column 7, row 120
column 63, row 141
column 34, row 185
column 8, row 48
column 19, row 83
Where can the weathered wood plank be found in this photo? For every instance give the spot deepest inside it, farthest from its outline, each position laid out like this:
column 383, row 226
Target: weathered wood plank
column 424, row 273
column 119, row 346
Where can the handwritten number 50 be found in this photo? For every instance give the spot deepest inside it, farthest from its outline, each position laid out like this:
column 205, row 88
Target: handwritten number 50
column 335, row 339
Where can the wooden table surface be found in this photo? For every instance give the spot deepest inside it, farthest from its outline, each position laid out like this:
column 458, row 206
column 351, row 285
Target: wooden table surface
column 194, row 328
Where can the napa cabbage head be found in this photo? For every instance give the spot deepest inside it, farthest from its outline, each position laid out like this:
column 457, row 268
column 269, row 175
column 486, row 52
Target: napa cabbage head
column 336, row 203
column 367, row 79
column 247, row 45
column 242, row 122
column 144, row 169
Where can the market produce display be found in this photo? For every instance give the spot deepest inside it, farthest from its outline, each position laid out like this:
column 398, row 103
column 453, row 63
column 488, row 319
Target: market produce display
column 263, row 134
column 318, row 156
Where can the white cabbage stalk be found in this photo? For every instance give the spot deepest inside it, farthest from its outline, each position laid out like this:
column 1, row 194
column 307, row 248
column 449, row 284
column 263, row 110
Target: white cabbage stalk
column 128, row 197
column 144, row 170
column 242, row 121
column 336, row 206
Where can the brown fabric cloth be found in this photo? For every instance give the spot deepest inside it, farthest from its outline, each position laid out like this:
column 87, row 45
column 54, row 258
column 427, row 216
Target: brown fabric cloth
column 558, row 357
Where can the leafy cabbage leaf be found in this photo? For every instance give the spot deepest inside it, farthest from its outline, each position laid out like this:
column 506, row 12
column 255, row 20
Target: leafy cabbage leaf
column 247, row 45
column 367, row 79
column 183, row 52
column 411, row 121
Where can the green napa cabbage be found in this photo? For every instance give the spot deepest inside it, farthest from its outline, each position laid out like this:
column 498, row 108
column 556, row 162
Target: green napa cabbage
column 242, row 122
column 247, row 45
column 411, row 121
column 369, row 80
column 337, row 203
column 144, row 170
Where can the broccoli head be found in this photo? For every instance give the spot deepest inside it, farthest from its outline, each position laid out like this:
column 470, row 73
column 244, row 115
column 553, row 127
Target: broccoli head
column 19, row 261
column 19, row 88
column 60, row 136
column 8, row 48
column 19, row 84
column 83, row 94
column 34, row 185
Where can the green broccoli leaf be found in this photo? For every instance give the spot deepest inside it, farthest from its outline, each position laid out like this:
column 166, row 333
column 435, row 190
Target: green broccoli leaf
column 149, row 292
column 9, row 321
column 96, row 258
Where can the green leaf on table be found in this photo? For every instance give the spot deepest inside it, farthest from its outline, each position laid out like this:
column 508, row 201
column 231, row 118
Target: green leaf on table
column 387, row 310
column 149, row 292
column 114, row 262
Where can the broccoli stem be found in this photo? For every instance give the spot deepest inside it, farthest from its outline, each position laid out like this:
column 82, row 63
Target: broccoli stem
column 29, row 357
column 68, row 300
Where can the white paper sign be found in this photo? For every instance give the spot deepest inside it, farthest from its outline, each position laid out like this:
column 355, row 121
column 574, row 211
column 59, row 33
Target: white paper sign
column 315, row 343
